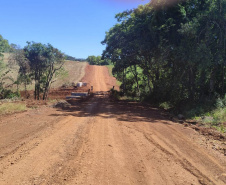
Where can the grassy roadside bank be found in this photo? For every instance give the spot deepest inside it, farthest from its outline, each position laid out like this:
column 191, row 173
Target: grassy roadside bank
column 110, row 67
column 12, row 107
column 211, row 114
column 206, row 114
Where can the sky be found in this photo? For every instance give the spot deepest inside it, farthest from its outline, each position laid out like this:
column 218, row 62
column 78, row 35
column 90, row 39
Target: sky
column 76, row 27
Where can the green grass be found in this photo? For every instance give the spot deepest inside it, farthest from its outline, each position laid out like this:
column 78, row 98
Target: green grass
column 215, row 118
column 219, row 115
column 110, row 67
column 9, row 108
column 165, row 105
column 211, row 113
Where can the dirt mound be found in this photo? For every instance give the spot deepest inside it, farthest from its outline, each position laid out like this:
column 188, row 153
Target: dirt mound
column 210, row 132
column 61, row 104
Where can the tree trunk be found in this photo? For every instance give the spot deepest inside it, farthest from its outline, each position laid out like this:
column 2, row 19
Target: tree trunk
column 223, row 73
column 149, row 85
column 191, row 84
column 135, row 74
column 36, row 83
column 17, row 87
column 25, row 88
column 212, row 82
column 123, row 80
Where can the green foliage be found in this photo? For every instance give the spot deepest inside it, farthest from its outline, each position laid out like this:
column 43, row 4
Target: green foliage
column 96, row 60
column 67, row 57
column 114, row 94
column 110, row 67
column 3, row 48
column 36, row 62
column 219, row 115
column 220, row 128
column 24, row 76
column 210, row 114
column 221, row 102
column 3, row 76
column 44, row 62
column 8, row 94
column 171, row 53
column 4, row 45
column 165, row 105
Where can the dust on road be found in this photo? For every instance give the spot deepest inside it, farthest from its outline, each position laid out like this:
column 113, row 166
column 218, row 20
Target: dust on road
column 103, row 142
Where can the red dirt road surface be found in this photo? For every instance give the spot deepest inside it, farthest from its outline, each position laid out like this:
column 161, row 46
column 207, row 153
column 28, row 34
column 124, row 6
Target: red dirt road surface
column 103, row 142
column 98, row 77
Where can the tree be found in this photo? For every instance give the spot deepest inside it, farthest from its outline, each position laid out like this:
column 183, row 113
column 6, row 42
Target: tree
column 45, row 61
column 4, row 45
column 97, row 60
column 2, row 66
column 18, row 57
column 176, row 50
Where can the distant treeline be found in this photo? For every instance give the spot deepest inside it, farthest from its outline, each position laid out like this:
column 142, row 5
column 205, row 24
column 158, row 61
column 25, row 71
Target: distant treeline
column 75, row 59
column 98, row 60
column 5, row 47
column 173, row 53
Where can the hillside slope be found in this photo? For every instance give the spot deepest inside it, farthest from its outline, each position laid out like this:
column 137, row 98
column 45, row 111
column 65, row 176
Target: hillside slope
column 75, row 71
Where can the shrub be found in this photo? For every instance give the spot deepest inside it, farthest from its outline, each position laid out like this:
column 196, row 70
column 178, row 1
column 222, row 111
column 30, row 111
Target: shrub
column 221, row 102
column 8, row 94
column 115, row 94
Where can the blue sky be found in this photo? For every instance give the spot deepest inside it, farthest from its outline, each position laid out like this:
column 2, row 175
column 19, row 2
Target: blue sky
column 76, row 27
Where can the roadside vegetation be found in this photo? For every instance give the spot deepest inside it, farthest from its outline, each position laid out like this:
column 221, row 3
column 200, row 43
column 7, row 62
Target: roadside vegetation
column 110, row 67
column 36, row 62
column 68, row 57
column 10, row 107
column 30, row 72
column 97, row 60
column 172, row 55
column 4, row 46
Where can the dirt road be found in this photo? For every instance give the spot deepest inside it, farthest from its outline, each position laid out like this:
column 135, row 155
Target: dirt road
column 98, row 77
column 103, row 142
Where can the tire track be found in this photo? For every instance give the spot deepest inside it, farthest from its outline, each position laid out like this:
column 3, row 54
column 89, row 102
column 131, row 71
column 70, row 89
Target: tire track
column 174, row 155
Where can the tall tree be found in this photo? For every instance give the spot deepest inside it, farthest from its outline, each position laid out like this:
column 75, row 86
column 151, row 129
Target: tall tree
column 4, row 45
column 18, row 57
column 45, row 61
column 176, row 50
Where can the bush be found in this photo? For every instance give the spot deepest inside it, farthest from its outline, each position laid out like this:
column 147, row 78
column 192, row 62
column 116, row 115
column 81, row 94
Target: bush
column 221, row 103
column 165, row 105
column 8, row 94
column 114, row 94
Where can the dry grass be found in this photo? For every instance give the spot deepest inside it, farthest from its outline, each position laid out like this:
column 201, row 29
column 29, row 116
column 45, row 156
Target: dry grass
column 9, row 108
column 76, row 71
column 13, row 71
